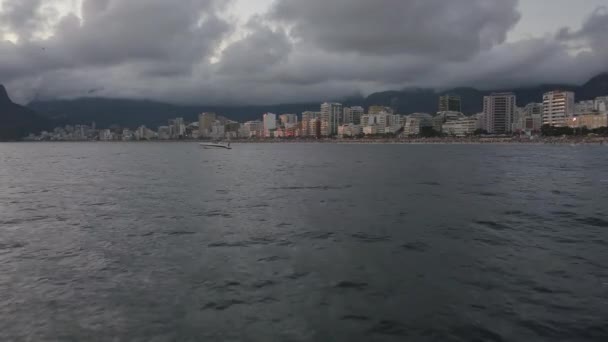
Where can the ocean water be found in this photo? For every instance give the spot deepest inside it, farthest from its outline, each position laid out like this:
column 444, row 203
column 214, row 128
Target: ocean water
column 303, row 242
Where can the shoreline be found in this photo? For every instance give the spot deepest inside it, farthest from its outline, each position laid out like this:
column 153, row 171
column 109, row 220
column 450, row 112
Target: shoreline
column 429, row 141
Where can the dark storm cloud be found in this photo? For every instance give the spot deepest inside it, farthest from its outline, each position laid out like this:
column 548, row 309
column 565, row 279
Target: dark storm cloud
column 260, row 50
column 593, row 32
column 454, row 29
column 312, row 50
column 114, row 32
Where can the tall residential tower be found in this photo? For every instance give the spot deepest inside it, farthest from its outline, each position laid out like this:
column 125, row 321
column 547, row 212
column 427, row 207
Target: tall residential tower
column 450, row 103
column 499, row 111
column 558, row 108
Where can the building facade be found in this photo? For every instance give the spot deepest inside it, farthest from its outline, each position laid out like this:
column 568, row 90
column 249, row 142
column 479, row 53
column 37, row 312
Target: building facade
column 270, row 124
column 352, row 115
column 450, row 103
column 499, row 110
column 288, row 120
column 590, row 121
column 331, row 116
column 462, row 127
column 306, row 124
column 205, row 121
column 558, row 108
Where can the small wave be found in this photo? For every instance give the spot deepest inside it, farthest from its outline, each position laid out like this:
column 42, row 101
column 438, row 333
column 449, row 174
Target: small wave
column 492, row 242
column 223, row 305
column 297, row 275
column 492, row 224
column 256, row 206
column 324, row 187
column 272, row 259
column 416, row 246
column 228, row 244
column 475, row 333
column 316, row 235
column 263, row 284
column 488, row 194
column 9, row 246
column 594, row 221
column 564, row 214
column 351, row 285
column 430, row 183
column 387, row 327
column 354, row 318
column 215, row 213
column 24, row 220
column 370, row 238
column 267, row 300
column 180, row 233
column 100, row 204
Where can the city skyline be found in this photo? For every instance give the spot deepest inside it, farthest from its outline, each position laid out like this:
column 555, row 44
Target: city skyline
column 500, row 117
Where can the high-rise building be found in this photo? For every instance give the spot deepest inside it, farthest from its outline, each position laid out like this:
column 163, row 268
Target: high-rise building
column 601, row 104
column 499, row 110
column 307, row 119
column 288, row 120
column 450, row 103
column 253, row 129
column 558, row 108
column 205, row 121
column 352, row 115
column 331, row 115
column 177, row 128
column 529, row 118
column 270, row 124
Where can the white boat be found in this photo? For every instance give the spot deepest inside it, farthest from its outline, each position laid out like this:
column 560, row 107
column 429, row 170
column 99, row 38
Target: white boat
column 209, row 146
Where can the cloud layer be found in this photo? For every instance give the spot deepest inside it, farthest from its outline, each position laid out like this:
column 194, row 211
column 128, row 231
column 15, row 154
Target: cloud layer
column 195, row 51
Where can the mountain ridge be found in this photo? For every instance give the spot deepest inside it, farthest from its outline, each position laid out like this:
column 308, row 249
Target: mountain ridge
column 132, row 113
column 18, row 121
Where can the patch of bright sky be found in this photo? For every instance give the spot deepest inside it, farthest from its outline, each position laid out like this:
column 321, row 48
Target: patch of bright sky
column 542, row 17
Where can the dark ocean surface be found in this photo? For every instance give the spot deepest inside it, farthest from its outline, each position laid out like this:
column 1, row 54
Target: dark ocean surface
column 303, row 242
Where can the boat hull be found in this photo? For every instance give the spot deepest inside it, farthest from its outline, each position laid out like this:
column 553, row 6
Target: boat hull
column 215, row 147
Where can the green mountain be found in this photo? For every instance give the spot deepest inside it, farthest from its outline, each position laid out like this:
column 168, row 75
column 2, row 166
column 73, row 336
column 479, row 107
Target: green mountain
column 17, row 121
column 132, row 113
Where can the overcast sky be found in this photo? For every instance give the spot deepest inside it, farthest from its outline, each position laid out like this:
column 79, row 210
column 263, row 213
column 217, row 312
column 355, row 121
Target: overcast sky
column 278, row 51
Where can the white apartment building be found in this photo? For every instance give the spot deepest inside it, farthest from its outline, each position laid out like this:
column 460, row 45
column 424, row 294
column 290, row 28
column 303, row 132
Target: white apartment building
column 558, row 108
column 443, row 117
column 601, row 104
column 331, row 116
column 270, row 124
column 370, row 130
column 461, row 127
column 253, row 129
column 288, row 120
column 349, row 130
